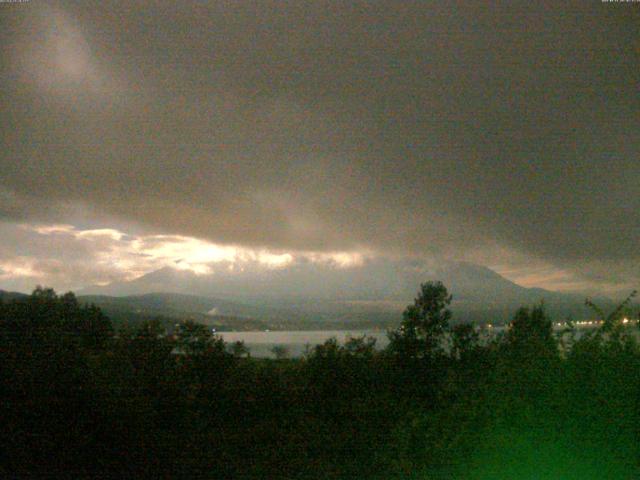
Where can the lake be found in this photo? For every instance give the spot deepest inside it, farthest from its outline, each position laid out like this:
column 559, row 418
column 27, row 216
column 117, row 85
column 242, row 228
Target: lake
column 261, row 343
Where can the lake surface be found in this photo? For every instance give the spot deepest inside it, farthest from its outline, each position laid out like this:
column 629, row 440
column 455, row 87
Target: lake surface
column 296, row 342
column 261, row 343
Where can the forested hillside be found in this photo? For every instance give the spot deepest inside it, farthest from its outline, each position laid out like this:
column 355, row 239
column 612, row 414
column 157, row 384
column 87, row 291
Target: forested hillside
column 81, row 400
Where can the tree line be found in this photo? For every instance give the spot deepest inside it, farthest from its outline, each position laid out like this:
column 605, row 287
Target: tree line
column 82, row 400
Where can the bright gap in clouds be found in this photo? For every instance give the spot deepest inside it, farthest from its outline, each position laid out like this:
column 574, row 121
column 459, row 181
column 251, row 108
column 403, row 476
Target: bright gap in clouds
column 70, row 257
column 199, row 256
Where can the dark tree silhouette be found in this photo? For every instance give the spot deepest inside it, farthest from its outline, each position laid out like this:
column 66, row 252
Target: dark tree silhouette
column 154, row 404
column 239, row 349
column 423, row 324
column 531, row 332
column 196, row 339
column 280, row 351
column 464, row 340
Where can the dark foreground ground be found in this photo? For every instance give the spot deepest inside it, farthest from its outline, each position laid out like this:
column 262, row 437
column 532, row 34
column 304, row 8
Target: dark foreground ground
column 78, row 401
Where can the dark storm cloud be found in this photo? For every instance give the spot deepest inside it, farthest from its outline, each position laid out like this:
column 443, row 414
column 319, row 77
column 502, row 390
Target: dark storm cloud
column 409, row 127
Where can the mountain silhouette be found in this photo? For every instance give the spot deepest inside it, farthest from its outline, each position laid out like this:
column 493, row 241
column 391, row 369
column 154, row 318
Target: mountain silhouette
column 379, row 285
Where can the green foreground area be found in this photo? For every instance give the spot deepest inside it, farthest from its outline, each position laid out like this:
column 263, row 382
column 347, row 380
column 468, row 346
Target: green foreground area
column 80, row 401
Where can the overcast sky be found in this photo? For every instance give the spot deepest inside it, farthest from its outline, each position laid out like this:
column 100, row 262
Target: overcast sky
column 504, row 133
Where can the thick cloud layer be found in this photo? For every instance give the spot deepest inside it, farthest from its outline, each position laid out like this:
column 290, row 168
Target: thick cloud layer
column 429, row 128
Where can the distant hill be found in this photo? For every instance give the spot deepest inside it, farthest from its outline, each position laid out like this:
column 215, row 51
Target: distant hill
column 169, row 303
column 8, row 296
column 374, row 293
column 172, row 307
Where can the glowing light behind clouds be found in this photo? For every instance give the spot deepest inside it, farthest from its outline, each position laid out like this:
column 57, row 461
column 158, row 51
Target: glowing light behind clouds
column 116, row 255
